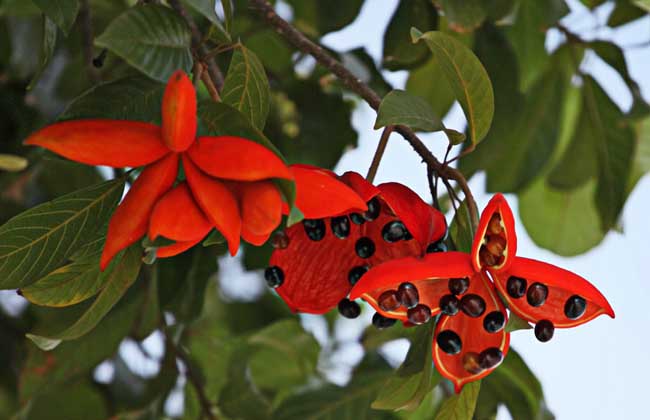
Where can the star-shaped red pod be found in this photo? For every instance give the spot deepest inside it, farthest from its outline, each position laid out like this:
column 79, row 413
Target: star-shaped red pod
column 227, row 179
column 471, row 292
column 350, row 225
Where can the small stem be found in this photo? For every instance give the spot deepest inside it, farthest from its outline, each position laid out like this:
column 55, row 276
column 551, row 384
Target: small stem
column 197, row 72
column 433, row 187
column 379, row 153
column 212, row 89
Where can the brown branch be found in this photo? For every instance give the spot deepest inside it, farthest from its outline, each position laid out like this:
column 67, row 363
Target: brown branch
column 379, row 153
column 197, row 44
column 304, row 44
column 87, row 37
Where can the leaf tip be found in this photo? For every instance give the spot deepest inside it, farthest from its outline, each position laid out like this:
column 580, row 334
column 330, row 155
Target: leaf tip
column 416, row 34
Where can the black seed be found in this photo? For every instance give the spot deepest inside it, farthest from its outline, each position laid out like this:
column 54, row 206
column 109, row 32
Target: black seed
column 458, row 286
column 274, row 276
column 575, row 307
column 387, row 301
column 314, row 228
column 544, row 330
column 470, row 362
column 355, row 274
column 439, row 246
column 408, row 295
column 490, row 358
column 408, row 236
column 449, row 304
column 494, row 321
column 418, row 315
column 373, row 210
column 349, row 308
column 472, row 305
column 536, row 294
column 449, row 342
column 365, row 247
column 280, row 240
column 393, row 231
column 516, row 287
column 357, row 218
column 341, row 227
column 381, row 322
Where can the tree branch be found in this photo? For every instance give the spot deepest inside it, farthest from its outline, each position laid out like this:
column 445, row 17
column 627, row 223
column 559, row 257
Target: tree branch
column 304, row 44
column 379, row 153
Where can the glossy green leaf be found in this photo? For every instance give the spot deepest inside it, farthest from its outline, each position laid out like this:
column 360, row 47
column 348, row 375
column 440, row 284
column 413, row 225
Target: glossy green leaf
column 151, row 38
column 37, row 241
column 402, row 108
column 399, row 52
column 414, row 379
column 62, row 12
column 429, row 82
column 12, row 163
column 207, row 9
column 316, row 17
column 460, row 406
column 467, row 77
column 624, row 12
column 131, row 98
column 246, row 87
column 119, row 280
column 47, row 49
column 464, row 15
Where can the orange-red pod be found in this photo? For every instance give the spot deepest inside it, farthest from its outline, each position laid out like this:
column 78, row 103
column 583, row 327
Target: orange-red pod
column 175, row 249
column 177, row 216
column 495, row 241
column 130, row 220
column 261, row 206
column 179, row 112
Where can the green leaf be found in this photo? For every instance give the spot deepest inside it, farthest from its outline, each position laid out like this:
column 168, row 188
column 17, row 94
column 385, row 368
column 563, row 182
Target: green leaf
column 12, row 163
column 117, row 283
column 464, row 15
column 624, row 12
column 151, row 38
column 76, row 401
column 515, row 323
column 461, row 229
column 467, row 77
column 47, row 49
column 37, row 241
column 414, row 379
column 131, row 98
column 207, row 9
column 363, row 66
column 429, row 82
column 455, row 137
column 460, row 406
column 644, row 4
column 402, row 108
column 214, row 238
column 316, row 18
column 246, row 87
column 62, row 12
column 399, row 52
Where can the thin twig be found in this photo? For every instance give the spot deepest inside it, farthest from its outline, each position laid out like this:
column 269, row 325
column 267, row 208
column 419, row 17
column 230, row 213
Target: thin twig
column 379, row 153
column 212, row 89
column 304, row 44
column 87, row 37
column 433, row 187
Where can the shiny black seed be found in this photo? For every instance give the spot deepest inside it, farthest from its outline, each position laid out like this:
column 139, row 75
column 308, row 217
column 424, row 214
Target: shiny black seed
column 365, row 247
column 349, row 308
column 458, row 286
column 393, row 231
column 373, row 210
column 536, row 294
column 494, row 321
column 544, row 330
column 280, row 240
column 490, row 357
column 355, row 274
column 516, row 287
column 341, row 227
column 418, row 315
column 575, row 307
column 408, row 236
column 387, row 301
column 357, row 218
column 274, row 276
column 381, row 322
column 449, row 342
column 314, row 228
column 408, row 295
column 439, row 246
column 449, row 304
column 472, row 305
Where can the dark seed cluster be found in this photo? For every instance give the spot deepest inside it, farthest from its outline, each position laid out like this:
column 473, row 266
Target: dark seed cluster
column 315, row 229
column 408, row 295
column 394, row 231
column 449, row 305
column 458, row 286
column 355, row 274
column 349, row 308
column 494, row 245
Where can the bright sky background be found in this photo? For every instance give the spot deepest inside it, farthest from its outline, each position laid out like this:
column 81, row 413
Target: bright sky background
column 595, row 371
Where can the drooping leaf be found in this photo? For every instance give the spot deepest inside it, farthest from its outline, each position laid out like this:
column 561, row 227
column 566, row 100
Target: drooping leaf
column 318, row 18
column 402, row 108
column 460, row 406
column 399, row 52
column 414, row 379
column 47, row 49
column 62, row 12
column 152, row 39
column 464, row 15
column 120, row 279
column 207, row 9
column 429, row 82
column 37, row 241
column 467, row 77
column 624, row 12
column 246, row 87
